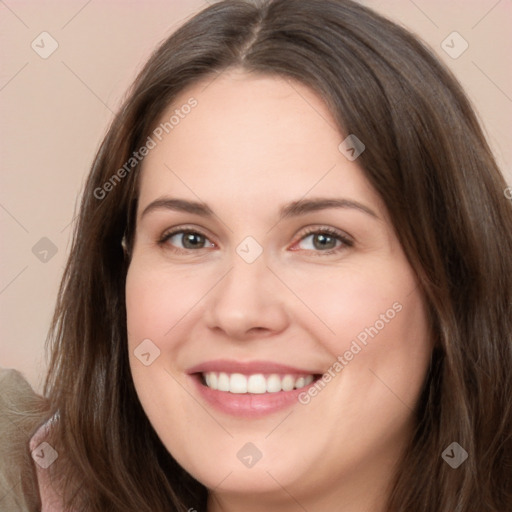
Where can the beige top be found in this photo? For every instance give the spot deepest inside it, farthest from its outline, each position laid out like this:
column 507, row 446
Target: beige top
column 23, row 486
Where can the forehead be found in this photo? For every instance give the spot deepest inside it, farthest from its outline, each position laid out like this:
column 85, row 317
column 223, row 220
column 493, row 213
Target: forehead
column 252, row 137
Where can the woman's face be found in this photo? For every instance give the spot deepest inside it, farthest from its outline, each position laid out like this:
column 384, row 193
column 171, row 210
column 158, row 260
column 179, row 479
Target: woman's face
column 263, row 259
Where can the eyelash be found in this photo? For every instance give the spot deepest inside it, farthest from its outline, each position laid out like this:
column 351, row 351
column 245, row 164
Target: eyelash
column 345, row 241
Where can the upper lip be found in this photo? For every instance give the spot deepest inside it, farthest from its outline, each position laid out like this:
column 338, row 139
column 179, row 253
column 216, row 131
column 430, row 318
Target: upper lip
column 247, row 367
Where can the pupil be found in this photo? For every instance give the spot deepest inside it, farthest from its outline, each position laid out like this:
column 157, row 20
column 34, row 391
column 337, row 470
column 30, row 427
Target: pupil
column 193, row 239
column 323, row 241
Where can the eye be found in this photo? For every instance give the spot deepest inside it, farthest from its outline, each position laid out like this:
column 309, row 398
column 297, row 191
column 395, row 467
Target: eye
column 185, row 240
column 324, row 241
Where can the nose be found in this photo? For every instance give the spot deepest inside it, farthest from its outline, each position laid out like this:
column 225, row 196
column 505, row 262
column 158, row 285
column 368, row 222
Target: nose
column 248, row 302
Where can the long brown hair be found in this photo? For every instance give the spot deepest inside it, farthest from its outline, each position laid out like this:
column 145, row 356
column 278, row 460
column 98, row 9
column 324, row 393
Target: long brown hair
column 428, row 159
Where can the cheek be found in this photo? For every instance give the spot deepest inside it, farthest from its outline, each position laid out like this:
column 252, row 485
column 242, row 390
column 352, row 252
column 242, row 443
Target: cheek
column 380, row 354
column 382, row 347
column 359, row 302
column 158, row 302
column 374, row 326
column 154, row 306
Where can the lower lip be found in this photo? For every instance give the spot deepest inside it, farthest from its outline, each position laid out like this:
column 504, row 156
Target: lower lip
column 248, row 405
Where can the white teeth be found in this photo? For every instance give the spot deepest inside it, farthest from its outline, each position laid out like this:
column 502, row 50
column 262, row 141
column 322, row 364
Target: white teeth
column 222, row 382
column 255, row 384
column 273, row 383
column 238, row 383
column 288, row 383
column 300, row 382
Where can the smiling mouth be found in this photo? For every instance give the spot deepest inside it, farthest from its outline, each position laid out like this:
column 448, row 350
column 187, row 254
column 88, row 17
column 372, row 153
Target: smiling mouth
column 257, row 383
column 250, row 389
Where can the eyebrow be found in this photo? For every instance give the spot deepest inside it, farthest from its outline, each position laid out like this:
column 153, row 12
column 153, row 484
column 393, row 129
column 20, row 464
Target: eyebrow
column 293, row 209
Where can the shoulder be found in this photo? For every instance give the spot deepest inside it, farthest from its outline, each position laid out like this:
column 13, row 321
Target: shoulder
column 13, row 380
column 22, row 411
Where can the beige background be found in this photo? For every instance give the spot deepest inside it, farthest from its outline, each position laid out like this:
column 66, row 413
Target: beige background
column 56, row 110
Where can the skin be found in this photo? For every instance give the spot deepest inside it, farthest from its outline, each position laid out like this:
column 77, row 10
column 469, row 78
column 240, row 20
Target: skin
column 253, row 144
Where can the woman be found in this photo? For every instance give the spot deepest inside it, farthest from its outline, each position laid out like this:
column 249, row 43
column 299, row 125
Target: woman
column 290, row 281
